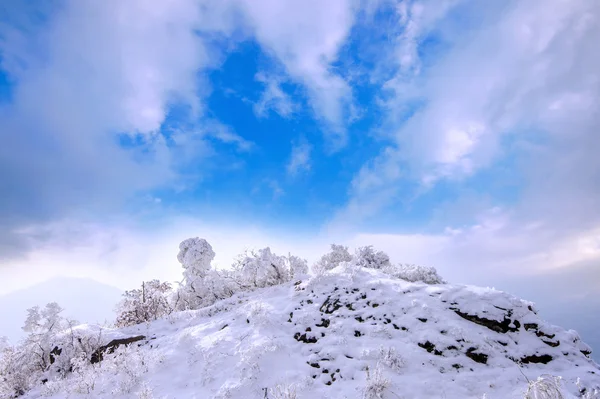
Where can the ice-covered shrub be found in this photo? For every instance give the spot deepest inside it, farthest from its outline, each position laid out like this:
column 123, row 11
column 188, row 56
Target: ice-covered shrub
column 587, row 393
column 128, row 364
column 376, row 384
column 43, row 353
column 144, row 304
column 332, row 259
column 283, row 391
column 413, row 273
column 15, row 373
column 391, row 358
column 215, row 285
column 545, row 387
column 370, row 258
column 261, row 269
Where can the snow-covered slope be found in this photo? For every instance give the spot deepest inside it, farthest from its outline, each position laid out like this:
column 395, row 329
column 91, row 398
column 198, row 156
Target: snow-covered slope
column 348, row 332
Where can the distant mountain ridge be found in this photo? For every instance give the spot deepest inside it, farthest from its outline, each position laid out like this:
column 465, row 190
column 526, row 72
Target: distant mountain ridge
column 84, row 300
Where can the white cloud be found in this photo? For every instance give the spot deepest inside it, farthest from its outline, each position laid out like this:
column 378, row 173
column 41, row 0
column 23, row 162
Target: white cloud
column 306, row 36
column 529, row 77
column 88, row 73
column 299, row 159
column 273, row 98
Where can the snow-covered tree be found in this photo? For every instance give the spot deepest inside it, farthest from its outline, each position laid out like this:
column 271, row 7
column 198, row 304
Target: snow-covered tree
column 215, row 285
column 368, row 257
column 144, row 304
column 15, row 373
column 333, row 258
column 195, row 255
column 24, row 365
column 297, row 266
column 413, row 273
column 261, row 269
column 43, row 326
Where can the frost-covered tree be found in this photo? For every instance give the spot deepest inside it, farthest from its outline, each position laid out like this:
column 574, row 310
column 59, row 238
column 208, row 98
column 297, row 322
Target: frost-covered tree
column 298, row 267
column 261, row 269
column 368, row 257
column 333, row 258
column 43, row 326
column 144, row 304
column 203, row 285
column 413, row 273
column 15, row 373
column 215, row 285
column 195, row 255
column 23, row 365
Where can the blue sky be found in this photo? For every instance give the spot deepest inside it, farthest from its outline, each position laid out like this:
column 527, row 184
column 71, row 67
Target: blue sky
column 452, row 133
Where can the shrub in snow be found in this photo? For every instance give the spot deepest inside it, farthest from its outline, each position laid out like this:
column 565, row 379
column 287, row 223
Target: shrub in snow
column 145, row 304
column 205, row 291
column 587, row 393
column 368, row 257
column 84, row 375
column 281, row 391
column 414, row 273
column 390, row 358
column 261, row 269
column 15, row 374
column 39, row 354
column 545, row 387
column 376, row 384
column 333, row 258
column 128, row 364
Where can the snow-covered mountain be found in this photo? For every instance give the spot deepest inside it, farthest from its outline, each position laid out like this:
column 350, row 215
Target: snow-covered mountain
column 347, row 333
column 83, row 299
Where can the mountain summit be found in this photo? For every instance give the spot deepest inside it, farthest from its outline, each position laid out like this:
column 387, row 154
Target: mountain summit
column 346, row 333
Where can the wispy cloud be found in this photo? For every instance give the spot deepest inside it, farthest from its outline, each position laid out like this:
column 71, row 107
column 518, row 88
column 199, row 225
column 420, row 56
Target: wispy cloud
column 299, row 159
column 226, row 135
column 306, row 36
column 273, row 98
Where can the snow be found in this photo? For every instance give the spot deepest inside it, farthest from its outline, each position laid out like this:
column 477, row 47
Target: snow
column 345, row 333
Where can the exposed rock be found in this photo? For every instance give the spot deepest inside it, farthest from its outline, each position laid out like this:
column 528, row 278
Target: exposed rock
column 536, row 359
column 429, row 347
column 303, row 338
column 494, row 325
column 324, row 323
column 55, row 352
column 109, row 348
column 477, row 357
column 551, row 343
column 329, row 307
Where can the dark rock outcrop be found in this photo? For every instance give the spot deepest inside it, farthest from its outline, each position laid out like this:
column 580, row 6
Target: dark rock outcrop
column 494, row 325
column 109, row 348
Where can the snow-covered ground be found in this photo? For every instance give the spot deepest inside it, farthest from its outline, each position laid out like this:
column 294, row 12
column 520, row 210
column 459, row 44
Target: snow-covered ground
column 348, row 333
